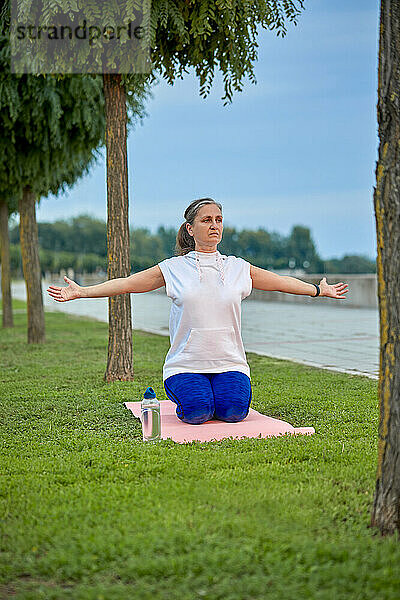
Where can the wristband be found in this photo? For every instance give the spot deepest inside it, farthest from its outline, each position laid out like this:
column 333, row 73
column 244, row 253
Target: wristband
column 318, row 290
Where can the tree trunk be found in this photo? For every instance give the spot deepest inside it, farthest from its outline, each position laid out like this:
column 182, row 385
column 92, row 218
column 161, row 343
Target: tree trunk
column 28, row 233
column 386, row 509
column 120, row 354
column 5, row 267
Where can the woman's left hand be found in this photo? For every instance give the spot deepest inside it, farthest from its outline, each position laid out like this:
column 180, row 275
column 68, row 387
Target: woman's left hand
column 338, row 290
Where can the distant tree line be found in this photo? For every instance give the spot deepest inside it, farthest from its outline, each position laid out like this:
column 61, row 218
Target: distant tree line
column 80, row 243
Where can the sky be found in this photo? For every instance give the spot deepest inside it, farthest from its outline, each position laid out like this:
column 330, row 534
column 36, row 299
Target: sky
column 297, row 148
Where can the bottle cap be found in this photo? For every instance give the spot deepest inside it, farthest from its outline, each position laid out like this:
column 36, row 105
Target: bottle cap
column 149, row 393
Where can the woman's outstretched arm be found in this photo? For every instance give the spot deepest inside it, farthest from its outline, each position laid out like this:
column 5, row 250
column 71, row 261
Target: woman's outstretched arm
column 144, row 281
column 272, row 282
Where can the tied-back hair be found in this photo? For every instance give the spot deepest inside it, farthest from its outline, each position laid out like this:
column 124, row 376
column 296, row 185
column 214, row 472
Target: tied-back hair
column 184, row 241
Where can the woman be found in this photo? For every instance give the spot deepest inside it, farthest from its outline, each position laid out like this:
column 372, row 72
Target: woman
column 205, row 373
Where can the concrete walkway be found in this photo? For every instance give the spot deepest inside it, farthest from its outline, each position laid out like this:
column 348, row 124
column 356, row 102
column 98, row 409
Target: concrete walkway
column 326, row 336
column 323, row 335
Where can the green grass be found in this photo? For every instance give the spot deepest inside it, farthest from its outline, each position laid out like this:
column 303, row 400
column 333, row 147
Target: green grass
column 89, row 511
column 18, row 305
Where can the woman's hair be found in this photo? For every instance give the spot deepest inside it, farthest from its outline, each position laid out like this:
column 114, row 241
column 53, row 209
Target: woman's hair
column 184, row 241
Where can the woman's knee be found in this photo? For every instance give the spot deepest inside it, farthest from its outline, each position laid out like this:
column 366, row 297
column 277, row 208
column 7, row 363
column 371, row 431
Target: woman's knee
column 231, row 414
column 193, row 396
column 196, row 417
column 233, row 393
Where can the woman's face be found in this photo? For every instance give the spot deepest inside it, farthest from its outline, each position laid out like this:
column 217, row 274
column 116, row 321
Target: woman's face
column 207, row 228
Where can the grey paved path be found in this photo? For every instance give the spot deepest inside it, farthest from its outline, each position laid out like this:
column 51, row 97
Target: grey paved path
column 333, row 337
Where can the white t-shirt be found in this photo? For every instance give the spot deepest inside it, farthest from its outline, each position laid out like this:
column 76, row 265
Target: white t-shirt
column 205, row 317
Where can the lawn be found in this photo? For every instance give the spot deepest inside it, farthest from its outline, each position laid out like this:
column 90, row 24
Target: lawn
column 89, row 511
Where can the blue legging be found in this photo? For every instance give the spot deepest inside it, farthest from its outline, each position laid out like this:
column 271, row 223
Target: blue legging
column 203, row 396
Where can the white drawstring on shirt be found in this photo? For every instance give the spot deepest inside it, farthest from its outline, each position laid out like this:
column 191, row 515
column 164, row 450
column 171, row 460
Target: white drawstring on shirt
column 219, row 262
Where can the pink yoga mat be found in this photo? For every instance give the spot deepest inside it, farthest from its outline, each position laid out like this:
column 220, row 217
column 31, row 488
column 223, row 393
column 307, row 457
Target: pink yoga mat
column 254, row 425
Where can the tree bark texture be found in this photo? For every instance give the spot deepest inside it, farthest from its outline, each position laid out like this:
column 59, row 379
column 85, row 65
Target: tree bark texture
column 120, row 353
column 386, row 509
column 5, row 267
column 28, row 233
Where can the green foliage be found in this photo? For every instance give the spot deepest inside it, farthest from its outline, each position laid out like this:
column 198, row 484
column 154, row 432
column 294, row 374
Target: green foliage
column 82, row 235
column 11, row 204
column 183, row 34
column 145, row 249
column 259, row 246
column 207, row 35
column 54, row 261
column 50, row 128
column 301, row 246
column 80, row 243
column 16, row 260
column 352, row 263
column 89, row 511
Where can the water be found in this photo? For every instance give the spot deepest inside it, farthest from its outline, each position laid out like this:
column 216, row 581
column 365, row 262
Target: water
column 331, row 337
column 150, row 417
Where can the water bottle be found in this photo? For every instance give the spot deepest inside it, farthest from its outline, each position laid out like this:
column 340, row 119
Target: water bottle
column 150, row 416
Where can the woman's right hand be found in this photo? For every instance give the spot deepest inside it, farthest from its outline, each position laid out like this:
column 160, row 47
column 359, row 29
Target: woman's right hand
column 63, row 294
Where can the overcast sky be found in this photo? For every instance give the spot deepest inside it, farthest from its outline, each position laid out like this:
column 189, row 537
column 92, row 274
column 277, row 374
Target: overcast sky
column 297, row 148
